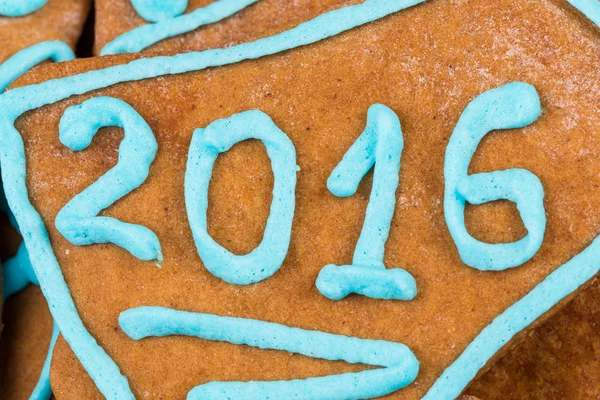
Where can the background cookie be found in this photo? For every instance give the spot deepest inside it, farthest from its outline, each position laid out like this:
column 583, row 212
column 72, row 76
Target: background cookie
column 422, row 247
column 57, row 20
column 264, row 18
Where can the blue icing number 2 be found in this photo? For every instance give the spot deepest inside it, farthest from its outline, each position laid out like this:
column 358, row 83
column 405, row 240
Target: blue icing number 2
column 380, row 145
column 514, row 105
column 78, row 221
column 206, row 145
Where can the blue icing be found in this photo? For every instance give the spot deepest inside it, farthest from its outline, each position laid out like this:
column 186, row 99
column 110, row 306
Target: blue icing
column 380, row 145
column 515, row 105
column 78, row 221
column 558, row 285
column 206, row 145
column 17, row 273
column 158, row 10
column 400, row 364
column 102, row 369
column 146, row 35
column 28, row 58
column 19, row 8
column 589, row 8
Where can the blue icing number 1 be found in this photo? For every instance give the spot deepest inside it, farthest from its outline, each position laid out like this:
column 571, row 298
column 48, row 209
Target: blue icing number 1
column 514, row 105
column 78, row 221
column 206, row 145
column 380, row 145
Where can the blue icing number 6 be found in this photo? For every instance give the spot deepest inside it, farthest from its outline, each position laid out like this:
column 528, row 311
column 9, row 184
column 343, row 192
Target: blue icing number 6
column 78, row 221
column 206, row 145
column 380, row 145
column 515, row 105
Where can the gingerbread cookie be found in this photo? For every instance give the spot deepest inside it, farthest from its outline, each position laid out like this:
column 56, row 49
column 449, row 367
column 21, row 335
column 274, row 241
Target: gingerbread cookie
column 24, row 345
column 560, row 360
column 420, row 275
column 125, row 26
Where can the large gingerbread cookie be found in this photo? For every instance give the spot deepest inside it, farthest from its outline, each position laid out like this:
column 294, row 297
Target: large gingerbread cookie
column 419, row 275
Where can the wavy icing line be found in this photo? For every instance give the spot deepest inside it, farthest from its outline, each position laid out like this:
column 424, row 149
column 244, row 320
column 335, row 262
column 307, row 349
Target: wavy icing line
column 563, row 281
column 24, row 60
column 78, row 220
column 20, row 8
column 145, row 36
column 205, row 147
column 18, row 272
column 380, row 145
column 400, row 364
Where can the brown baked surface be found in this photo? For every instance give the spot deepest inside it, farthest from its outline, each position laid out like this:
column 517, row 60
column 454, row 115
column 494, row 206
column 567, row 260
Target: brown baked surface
column 24, row 343
column 427, row 64
column 57, row 20
column 559, row 360
column 264, row 18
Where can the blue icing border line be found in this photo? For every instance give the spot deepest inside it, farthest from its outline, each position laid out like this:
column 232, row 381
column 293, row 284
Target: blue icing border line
column 205, row 147
column 18, row 272
column 380, row 145
column 514, row 105
column 25, row 59
column 101, row 368
column 20, row 8
column 400, row 364
column 146, row 35
column 78, row 220
column 107, row 377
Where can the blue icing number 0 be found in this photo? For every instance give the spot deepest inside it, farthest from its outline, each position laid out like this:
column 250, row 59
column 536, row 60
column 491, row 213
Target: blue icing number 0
column 206, row 145
column 514, row 105
column 78, row 221
column 380, row 145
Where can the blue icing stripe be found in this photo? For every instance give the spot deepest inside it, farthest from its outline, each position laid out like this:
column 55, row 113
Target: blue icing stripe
column 97, row 363
column 20, row 8
column 78, row 221
column 515, row 105
column 400, row 364
column 206, row 145
column 380, row 145
column 158, row 10
column 146, row 35
column 28, row 58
